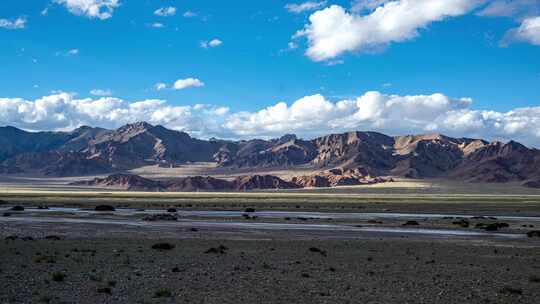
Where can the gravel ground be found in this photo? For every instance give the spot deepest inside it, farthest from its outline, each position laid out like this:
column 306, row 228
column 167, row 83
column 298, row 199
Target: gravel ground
column 129, row 270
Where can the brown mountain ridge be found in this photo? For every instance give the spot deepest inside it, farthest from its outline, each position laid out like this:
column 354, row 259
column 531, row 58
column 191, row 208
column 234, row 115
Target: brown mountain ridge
column 87, row 151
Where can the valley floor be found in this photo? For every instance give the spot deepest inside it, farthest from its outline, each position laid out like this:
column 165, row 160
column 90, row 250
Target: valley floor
column 294, row 248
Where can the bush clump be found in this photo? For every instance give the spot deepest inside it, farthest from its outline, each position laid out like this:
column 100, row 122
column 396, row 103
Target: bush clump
column 105, row 208
column 163, row 246
column 163, row 293
column 58, row 277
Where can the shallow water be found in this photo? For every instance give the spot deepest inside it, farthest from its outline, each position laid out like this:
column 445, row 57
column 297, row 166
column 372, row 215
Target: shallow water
column 232, row 226
column 280, row 214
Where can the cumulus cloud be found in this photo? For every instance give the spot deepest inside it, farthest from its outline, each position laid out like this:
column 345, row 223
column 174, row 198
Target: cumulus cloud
column 211, row 44
column 100, row 92
column 361, row 5
column 528, row 31
column 189, row 14
column 165, row 11
column 308, row 117
column 13, row 24
column 101, row 9
column 160, row 86
column 334, row 30
column 511, row 8
column 181, row 84
column 304, row 7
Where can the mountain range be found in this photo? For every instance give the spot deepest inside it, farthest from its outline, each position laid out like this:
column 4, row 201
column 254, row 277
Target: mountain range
column 88, row 151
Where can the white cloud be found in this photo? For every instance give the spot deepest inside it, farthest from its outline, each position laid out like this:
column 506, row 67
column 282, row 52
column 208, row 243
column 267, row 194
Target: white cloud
column 189, row 14
column 211, row 44
column 101, row 9
column 308, row 117
column 13, row 24
column 334, row 31
column 157, row 25
column 160, row 86
column 100, row 92
column 304, row 7
column 181, row 84
column 528, row 31
column 511, row 8
column 165, row 11
column 68, row 53
column 361, row 5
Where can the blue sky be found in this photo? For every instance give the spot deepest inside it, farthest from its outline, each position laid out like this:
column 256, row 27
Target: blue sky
column 461, row 54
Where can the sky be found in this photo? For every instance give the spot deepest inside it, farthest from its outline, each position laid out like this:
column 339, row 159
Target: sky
column 244, row 69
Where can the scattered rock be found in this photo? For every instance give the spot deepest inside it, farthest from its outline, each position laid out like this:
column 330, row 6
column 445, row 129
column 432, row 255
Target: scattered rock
column 534, row 233
column 52, row 237
column 106, row 290
column 411, row 223
column 511, row 290
column 163, row 293
column 317, row 250
column 163, row 246
column 58, row 277
column 492, row 226
column 462, row 223
column 217, row 250
column 176, row 269
column 11, row 238
column 17, row 208
column 105, row 208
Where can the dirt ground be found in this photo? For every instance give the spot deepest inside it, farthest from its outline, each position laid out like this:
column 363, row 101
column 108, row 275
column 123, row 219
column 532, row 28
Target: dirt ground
column 129, row 270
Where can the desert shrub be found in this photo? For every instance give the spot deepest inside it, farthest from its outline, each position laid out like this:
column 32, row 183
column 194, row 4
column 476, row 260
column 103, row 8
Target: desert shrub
column 104, row 208
column 58, row 277
column 106, row 290
column 163, row 246
column 163, row 293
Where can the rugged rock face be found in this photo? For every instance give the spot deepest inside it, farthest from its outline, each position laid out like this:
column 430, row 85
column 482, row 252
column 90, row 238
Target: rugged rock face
column 499, row 163
column 532, row 184
column 56, row 164
column 198, row 183
column 14, row 141
column 189, row 184
column 124, row 181
column 284, row 152
column 141, row 143
column 262, row 182
column 337, row 177
column 89, row 150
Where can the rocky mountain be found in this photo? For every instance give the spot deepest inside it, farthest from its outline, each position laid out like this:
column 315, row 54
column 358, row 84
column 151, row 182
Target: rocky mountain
column 14, row 141
column 131, row 182
column 89, row 150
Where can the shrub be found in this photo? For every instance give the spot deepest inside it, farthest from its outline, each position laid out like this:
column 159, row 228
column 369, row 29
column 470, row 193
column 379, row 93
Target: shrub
column 104, row 208
column 163, row 293
column 163, row 246
column 58, row 277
